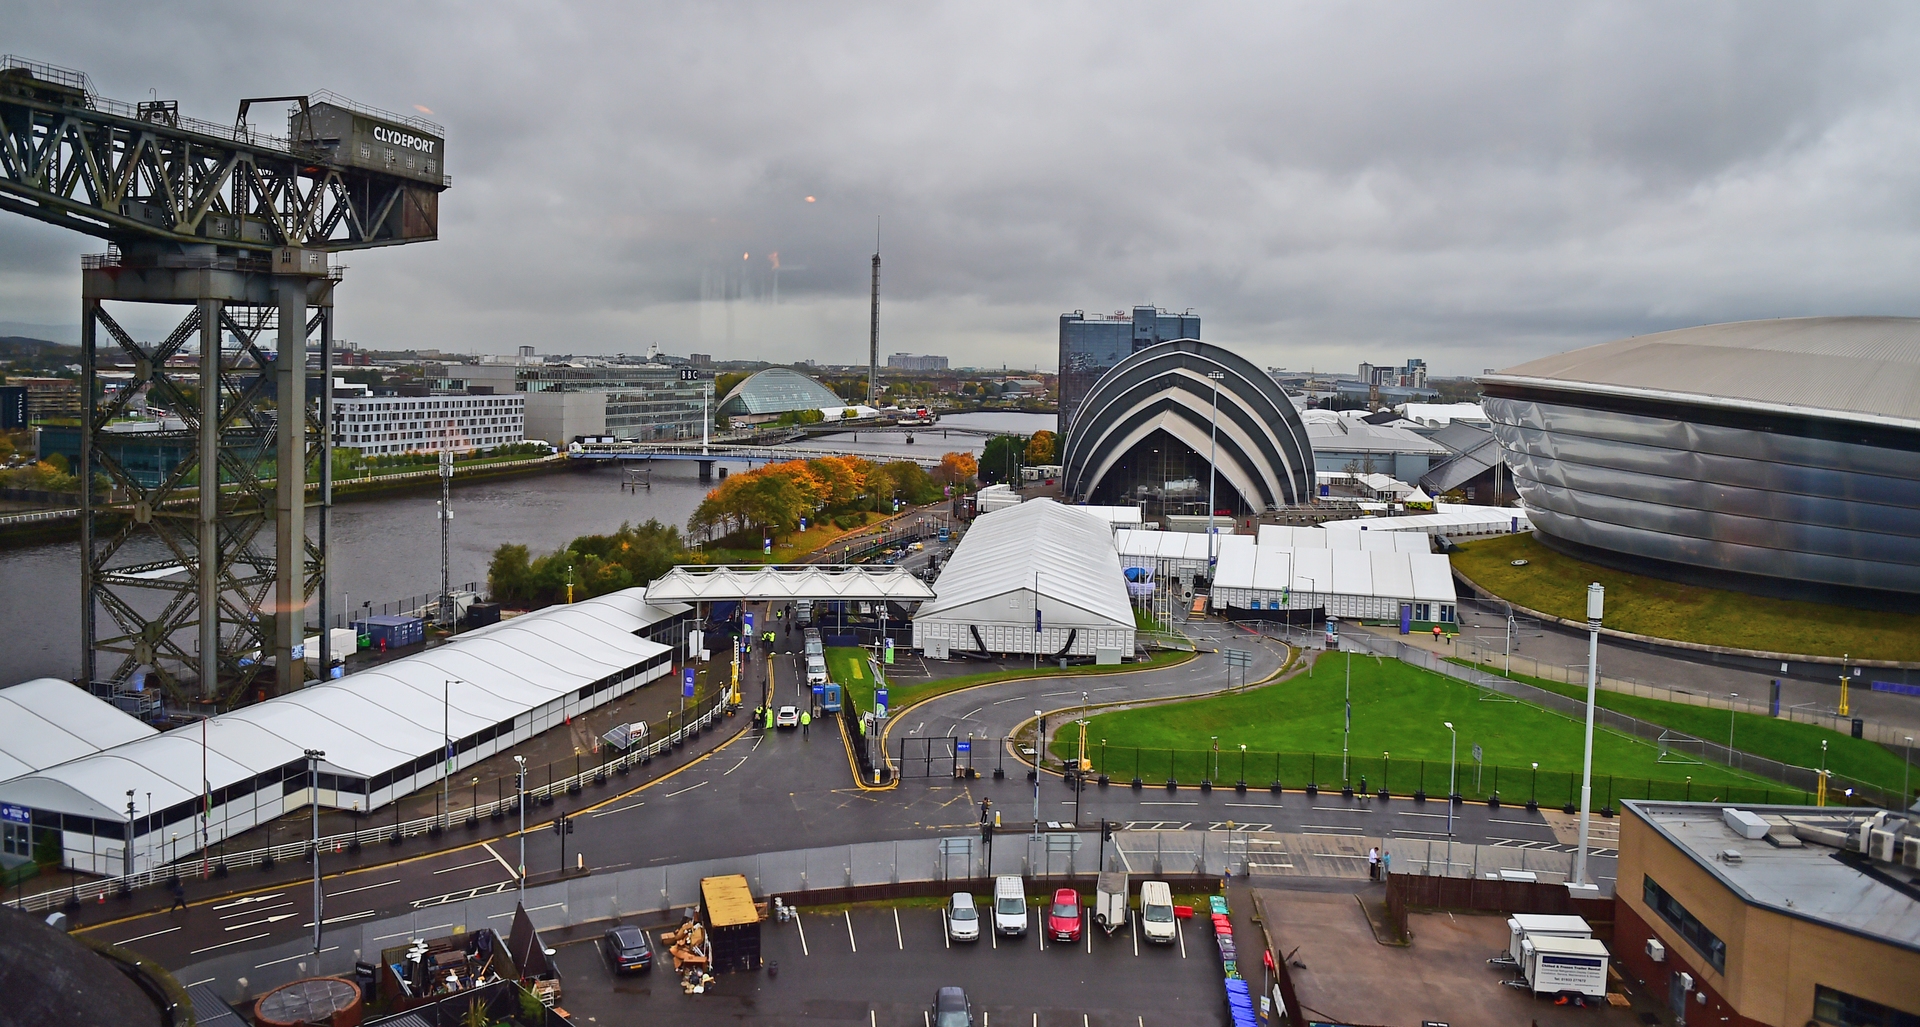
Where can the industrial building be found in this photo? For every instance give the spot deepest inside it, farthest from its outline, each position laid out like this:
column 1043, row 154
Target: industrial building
column 1036, row 577
column 1090, row 346
column 1149, row 432
column 462, row 423
column 1771, row 915
column 381, row 730
column 1776, row 456
column 779, row 390
column 1347, row 441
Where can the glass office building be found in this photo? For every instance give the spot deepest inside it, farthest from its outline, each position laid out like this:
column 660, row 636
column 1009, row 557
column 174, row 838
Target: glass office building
column 1090, row 345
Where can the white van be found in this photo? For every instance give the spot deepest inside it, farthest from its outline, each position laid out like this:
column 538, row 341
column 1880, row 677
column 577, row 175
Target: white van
column 816, row 671
column 1156, row 912
column 1009, row 905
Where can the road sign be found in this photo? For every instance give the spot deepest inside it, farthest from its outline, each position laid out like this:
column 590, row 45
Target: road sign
column 963, row 746
column 1237, row 657
column 686, row 684
column 1476, row 752
column 819, row 690
column 747, row 619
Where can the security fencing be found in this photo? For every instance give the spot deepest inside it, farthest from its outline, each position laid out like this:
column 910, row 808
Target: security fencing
column 660, row 739
column 1674, row 745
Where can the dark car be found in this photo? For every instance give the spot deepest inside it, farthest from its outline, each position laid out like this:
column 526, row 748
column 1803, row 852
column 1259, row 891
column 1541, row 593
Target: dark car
column 627, row 949
column 950, row 1009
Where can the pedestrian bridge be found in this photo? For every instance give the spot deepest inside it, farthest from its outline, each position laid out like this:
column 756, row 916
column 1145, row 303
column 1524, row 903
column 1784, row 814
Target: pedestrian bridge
column 788, row 582
column 707, row 455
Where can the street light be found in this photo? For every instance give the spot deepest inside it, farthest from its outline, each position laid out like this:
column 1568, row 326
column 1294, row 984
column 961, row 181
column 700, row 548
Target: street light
column 313, row 778
column 1906, row 774
column 1731, row 696
column 520, row 803
column 1453, row 759
column 1346, row 732
column 1213, row 450
column 1596, row 599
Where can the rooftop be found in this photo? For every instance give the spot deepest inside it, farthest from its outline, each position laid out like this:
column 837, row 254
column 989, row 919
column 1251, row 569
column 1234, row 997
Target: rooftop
column 1865, row 368
column 1803, row 868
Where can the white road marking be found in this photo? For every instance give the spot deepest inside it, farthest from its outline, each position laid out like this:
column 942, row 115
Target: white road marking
column 1328, row 827
column 735, row 767
column 289, row 959
column 250, row 912
column 368, row 887
column 236, row 941
column 250, row 900
column 976, row 709
column 209, row 980
column 463, row 866
column 1017, row 698
column 503, row 863
column 800, row 923
column 144, row 937
column 1181, row 933
column 897, row 939
column 1170, row 804
column 1410, row 813
column 1518, row 823
column 1256, row 805
column 274, row 919
column 685, row 790
column 344, row 917
column 611, row 812
column 848, row 913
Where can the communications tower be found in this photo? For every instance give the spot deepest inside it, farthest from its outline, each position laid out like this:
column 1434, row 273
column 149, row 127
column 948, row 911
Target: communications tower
column 196, row 565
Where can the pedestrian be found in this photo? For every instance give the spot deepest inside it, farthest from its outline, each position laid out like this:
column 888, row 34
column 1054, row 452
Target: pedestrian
column 1373, row 863
column 805, row 719
column 179, row 896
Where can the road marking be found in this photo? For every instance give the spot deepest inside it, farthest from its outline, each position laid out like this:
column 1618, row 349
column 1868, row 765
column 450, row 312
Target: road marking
column 1087, row 929
column 611, row 812
column 1017, row 698
column 250, row 912
column 1336, row 855
column 496, row 856
column 463, row 866
column 897, row 939
column 685, row 790
column 250, row 900
column 976, row 709
column 1329, row 827
column 370, row 887
column 1181, row 933
column 1410, row 813
column 1519, row 823
column 1343, row 809
column 735, row 767
column 209, row 980
column 1257, row 805
column 289, row 959
column 236, row 941
column 1049, row 695
column 1430, row 834
column 848, row 913
column 144, row 937
column 1133, row 928
column 274, row 919
column 344, row 917
column 800, row 923
column 1170, row 804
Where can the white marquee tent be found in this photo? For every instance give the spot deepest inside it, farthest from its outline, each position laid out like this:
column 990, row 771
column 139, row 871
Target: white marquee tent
column 1037, row 556
column 49, row 721
column 1361, row 583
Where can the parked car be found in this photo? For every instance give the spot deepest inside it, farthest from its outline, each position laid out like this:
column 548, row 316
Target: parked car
column 1063, row 917
column 627, row 949
column 787, row 716
column 1156, row 912
column 1009, row 905
column 951, row 1009
column 963, row 921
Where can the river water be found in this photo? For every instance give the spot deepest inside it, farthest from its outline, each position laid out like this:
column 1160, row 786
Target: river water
column 387, row 547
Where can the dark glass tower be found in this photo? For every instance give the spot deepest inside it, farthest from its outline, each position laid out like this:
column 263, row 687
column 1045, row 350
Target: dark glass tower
column 1090, row 345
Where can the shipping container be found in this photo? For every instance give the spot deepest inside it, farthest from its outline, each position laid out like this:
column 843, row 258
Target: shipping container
column 733, row 923
column 393, row 631
column 479, row 615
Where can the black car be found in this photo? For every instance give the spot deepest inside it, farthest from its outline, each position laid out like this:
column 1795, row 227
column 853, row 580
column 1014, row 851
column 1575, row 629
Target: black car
column 950, row 1009
column 627, row 949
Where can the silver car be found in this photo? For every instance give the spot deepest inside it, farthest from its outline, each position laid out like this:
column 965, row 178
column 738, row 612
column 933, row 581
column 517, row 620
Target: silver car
column 963, row 921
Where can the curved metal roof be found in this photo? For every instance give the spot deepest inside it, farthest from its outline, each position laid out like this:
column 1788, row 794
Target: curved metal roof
column 778, row 390
column 1850, row 368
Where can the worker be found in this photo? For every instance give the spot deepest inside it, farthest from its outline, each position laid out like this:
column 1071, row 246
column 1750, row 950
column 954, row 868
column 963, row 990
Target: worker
column 805, row 719
column 1436, row 632
column 769, row 718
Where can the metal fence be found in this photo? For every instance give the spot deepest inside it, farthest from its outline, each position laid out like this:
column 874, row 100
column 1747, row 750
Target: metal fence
column 661, row 739
column 402, row 607
column 950, row 757
column 1797, row 778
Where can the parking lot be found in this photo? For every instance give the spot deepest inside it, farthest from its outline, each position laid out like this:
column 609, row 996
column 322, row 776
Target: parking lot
column 880, row 965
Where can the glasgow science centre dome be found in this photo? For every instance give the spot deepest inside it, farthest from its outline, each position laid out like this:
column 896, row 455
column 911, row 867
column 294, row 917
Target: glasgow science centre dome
column 1148, row 423
column 1780, row 457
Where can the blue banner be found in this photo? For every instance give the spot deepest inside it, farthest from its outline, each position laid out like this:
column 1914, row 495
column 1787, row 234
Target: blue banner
column 686, row 684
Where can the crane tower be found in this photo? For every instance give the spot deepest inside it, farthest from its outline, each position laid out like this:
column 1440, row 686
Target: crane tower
column 197, row 569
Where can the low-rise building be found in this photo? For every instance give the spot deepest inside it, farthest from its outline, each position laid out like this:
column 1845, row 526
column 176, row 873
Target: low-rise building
column 1775, row 915
column 377, row 425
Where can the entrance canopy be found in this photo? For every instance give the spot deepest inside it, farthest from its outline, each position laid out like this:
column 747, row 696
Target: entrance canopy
column 789, row 582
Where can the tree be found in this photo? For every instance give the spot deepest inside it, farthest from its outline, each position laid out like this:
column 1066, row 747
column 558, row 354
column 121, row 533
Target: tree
column 1000, row 460
column 510, row 575
column 957, row 469
column 1040, row 448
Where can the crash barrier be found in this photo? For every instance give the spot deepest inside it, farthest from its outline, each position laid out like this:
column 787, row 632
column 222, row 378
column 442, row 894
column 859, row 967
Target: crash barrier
column 1477, row 894
column 1684, row 747
column 1384, row 775
column 659, row 740
column 951, row 757
column 802, row 876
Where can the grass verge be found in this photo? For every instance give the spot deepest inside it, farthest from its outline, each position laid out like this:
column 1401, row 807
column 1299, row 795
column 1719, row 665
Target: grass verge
column 791, row 548
column 1783, row 740
column 848, row 665
column 1557, row 584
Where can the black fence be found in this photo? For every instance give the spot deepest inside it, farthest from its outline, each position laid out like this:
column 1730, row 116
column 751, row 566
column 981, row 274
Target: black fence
column 951, row 757
column 1320, row 772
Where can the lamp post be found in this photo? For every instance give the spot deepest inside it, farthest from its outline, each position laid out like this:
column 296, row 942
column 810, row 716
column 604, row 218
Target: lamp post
column 1731, row 696
column 1533, row 790
column 520, row 803
column 1453, row 760
column 1596, row 600
column 1346, row 732
column 313, row 778
column 1213, row 451
column 1906, row 774
column 127, row 856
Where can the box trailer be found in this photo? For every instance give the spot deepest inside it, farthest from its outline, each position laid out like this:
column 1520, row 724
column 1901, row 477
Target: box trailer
column 732, row 922
column 1110, row 900
column 1564, row 966
column 1521, row 926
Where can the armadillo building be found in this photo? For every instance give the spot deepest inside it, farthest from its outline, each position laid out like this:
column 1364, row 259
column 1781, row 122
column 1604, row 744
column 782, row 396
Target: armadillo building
column 1154, row 419
column 1780, row 457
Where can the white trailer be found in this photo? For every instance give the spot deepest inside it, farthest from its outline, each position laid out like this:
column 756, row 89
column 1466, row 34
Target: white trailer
column 1564, row 966
column 1110, row 901
column 1522, row 926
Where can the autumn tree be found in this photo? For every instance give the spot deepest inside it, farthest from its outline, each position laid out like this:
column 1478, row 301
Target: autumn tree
column 956, row 469
column 1040, row 448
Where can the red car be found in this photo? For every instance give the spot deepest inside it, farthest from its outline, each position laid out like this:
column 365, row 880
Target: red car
column 1063, row 917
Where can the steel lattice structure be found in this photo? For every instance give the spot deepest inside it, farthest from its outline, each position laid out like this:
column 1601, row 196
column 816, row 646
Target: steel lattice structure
column 199, row 574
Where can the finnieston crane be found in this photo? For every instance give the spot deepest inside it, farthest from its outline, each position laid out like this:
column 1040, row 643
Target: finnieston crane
column 235, row 225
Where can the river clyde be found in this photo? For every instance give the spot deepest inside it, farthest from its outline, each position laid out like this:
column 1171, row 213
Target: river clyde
column 387, row 547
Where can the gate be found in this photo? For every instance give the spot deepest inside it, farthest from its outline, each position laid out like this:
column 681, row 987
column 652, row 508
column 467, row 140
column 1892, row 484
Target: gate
column 946, row 756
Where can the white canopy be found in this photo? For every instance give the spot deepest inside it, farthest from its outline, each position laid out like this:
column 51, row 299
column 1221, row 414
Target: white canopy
column 49, row 721
column 800, row 581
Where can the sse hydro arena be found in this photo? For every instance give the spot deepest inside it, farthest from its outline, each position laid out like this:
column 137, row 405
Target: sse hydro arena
column 1778, row 457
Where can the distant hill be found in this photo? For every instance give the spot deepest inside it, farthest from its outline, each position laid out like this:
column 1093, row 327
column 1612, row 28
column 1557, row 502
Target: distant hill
column 20, row 347
column 59, row 335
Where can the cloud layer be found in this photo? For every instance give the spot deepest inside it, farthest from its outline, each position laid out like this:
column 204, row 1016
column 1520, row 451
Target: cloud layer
column 1323, row 183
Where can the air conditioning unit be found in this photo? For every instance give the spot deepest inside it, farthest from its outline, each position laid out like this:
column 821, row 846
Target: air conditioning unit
column 1656, row 950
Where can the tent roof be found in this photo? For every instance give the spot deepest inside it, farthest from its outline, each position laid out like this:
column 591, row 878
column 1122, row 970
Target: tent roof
column 1069, row 552
column 50, row 721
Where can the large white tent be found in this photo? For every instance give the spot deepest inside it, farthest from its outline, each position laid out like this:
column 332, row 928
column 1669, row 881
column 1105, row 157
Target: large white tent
column 1036, row 564
column 1370, row 582
column 49, row 721
column 385, row 731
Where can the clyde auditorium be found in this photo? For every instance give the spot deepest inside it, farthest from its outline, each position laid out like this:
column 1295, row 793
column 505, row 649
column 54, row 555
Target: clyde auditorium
column 1780, row 457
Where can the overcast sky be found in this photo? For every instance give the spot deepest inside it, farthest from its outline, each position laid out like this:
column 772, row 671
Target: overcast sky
column 1323, row 183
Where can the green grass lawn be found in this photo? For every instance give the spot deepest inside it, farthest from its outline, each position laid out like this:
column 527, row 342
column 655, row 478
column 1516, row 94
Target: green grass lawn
column 848, row 665
column 1783, row 740
column 1401, row 711
column 1556, row 584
